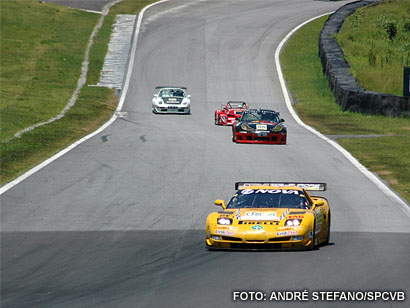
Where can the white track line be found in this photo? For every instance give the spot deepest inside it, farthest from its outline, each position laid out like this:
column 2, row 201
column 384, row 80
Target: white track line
column 396, row 200
column 24, row 176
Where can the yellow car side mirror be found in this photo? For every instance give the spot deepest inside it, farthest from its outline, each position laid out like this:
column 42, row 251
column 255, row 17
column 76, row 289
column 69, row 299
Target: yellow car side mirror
column 319, row 203
column 220, row 202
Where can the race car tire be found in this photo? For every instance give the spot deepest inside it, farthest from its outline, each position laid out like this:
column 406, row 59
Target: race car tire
column 312, row 245
column 216, row 120
column 326, row 242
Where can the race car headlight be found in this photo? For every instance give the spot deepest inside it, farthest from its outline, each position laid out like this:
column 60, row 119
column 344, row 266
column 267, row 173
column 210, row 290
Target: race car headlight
column 293, row 222
column 246, row 127
column 277, row 128
column 224, row 221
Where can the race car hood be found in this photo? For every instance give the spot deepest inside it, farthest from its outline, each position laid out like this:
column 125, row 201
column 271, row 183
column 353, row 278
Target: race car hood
column 172, row 100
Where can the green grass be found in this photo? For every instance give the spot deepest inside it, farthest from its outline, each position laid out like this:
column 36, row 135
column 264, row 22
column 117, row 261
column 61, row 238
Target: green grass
column 130, row 6
column 43, row 76
column 376, row 42
column 40, row 60
column 388, row 156
column 317, row 107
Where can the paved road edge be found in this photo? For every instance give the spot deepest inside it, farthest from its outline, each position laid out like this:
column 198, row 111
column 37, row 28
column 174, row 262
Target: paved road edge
column 24, row 176
column 403, row 206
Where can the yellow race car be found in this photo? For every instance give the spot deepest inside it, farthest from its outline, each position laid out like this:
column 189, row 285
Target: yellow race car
column 269, row 216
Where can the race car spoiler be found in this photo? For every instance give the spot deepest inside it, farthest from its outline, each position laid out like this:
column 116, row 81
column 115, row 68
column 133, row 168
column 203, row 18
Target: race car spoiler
column 306, row 186
column 160, row 87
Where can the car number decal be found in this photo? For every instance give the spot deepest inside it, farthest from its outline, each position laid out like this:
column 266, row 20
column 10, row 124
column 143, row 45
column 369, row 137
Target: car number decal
column 261, row 127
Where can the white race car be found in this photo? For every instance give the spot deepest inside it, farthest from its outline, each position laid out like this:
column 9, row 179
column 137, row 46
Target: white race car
column 171, row 100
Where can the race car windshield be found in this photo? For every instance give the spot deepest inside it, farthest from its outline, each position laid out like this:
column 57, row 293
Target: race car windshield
column 172, row 93
column 238, row 105
column 260, row 116
column 268, row 198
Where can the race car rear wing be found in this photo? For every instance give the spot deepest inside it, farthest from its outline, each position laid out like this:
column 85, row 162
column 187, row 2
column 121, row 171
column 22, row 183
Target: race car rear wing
column 160, row 87
column 306, row 186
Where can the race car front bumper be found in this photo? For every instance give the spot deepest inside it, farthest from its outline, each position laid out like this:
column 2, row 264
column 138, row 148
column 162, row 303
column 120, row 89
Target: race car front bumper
column 172, row 109
column 285, row 243
column 260, row 137
column 297, row 239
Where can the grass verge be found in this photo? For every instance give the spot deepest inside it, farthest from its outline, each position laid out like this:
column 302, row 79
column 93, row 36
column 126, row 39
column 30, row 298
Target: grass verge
column 315, row 104
column 376, row 43
column 41, row 70
column 41, row 60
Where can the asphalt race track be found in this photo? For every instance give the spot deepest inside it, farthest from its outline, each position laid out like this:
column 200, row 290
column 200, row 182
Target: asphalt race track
column 119, row 221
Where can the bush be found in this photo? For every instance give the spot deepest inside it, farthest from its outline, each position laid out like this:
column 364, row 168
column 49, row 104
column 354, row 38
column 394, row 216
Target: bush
column 391, row 30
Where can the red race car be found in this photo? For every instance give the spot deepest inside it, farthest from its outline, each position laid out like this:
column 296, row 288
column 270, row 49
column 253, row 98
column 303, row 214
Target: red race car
column 259, row 126
column 230, row 112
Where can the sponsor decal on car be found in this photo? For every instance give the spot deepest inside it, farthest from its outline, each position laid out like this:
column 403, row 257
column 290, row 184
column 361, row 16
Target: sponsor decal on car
column 224, row 232
column 307, row 186
column 238, row 214
column 259, row 216
column 269, row 191
column 257, row 227
column 286, row 233
column 289, row 228
column 227, row 228
column 296, row 216
column 284, row 214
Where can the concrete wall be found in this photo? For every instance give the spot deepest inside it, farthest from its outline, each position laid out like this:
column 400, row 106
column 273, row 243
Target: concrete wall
column 347, row 92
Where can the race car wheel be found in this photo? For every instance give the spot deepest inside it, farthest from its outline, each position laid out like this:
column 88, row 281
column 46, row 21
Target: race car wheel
column 312, row 244
column 326, row 242
column 216, row 119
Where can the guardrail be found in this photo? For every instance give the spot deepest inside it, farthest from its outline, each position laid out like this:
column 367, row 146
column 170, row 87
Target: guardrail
column 344, row 86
